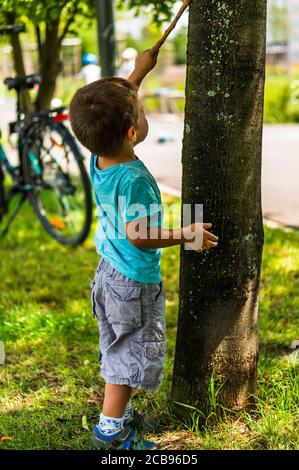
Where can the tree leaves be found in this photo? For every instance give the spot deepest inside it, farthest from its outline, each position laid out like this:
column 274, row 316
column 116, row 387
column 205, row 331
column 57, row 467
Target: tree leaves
column 40, row 10
column 59, row 16
column 160, row 11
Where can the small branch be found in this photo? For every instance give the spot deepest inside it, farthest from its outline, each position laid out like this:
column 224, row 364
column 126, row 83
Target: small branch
column 173, row 23
column 69, row 22
column 66, row 27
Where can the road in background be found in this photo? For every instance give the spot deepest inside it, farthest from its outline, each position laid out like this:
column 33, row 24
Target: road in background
column 280, row 177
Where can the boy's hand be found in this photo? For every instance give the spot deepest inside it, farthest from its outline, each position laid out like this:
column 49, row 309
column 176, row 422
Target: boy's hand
column 199, row 238
column 145, row 62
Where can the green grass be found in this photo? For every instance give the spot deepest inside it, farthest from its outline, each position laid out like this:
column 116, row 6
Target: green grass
column 282, row 98
column 50, row 380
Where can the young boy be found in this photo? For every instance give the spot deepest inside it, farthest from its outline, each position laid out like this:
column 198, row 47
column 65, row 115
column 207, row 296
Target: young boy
column 128, row 295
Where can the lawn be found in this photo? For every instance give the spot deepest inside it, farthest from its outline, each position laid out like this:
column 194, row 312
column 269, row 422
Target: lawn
column 50, row 387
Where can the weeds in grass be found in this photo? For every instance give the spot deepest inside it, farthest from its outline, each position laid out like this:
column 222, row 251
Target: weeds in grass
column 50, row 380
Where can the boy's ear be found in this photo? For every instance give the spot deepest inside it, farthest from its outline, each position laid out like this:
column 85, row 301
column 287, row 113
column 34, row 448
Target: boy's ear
column 132, row 134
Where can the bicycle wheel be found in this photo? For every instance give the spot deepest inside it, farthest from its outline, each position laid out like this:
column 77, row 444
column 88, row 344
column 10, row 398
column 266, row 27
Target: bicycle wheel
column 2, row 195
column 59, row 187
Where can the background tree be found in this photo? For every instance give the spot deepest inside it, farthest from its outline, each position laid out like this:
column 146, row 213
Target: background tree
column 180, row 45
column 218, row 312
column 52, row 20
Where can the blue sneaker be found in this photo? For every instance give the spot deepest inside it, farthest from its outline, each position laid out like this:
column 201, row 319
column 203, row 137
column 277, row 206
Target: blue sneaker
column 127, row 439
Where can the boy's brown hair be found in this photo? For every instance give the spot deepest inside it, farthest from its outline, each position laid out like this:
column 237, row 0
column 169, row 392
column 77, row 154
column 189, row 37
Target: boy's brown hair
column 102, row 113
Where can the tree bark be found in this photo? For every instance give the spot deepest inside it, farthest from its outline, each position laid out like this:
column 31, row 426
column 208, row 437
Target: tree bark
column 218, row 309
column 49, row 47
column 39, row 44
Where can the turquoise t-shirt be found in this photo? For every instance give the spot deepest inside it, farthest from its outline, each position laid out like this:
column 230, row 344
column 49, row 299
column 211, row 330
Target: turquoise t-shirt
column 126, row 192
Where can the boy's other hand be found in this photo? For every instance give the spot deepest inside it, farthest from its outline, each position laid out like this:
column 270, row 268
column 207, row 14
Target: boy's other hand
column 199, row 238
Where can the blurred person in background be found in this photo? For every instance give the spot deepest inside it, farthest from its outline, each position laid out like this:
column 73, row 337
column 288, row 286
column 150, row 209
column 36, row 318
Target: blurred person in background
column 128, row 62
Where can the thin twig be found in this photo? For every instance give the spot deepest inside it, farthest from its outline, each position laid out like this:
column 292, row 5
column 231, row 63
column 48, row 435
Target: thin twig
column 69, row 22
column 173, row 23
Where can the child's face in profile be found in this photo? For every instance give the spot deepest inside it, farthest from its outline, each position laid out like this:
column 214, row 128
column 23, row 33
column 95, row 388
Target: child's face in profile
column 142, row 125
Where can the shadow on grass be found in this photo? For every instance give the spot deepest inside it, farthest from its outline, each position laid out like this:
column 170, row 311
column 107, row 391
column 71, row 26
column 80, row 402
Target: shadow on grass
column 51, row 375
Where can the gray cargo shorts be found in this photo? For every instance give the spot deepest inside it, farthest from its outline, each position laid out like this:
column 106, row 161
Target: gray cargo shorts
column 131, row 319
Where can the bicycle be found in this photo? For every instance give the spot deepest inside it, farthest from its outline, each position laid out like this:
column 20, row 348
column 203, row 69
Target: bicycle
column 50, row 172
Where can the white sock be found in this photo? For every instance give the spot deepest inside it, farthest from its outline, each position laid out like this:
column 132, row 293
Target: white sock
column 110, row 426
column 128, row 411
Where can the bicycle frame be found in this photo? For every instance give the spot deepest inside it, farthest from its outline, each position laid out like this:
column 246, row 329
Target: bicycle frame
column 5, row 166
column 5, row 162
column 13, row 170
column 24, row 122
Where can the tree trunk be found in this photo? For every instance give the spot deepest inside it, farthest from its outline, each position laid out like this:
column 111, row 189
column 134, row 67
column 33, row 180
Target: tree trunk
column 218, row 311
column 19, row 66
column 49, row 67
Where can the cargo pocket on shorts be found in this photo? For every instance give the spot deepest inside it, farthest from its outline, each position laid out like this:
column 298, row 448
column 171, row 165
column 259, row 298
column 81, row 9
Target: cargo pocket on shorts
column 123, row 305
column 148, row 363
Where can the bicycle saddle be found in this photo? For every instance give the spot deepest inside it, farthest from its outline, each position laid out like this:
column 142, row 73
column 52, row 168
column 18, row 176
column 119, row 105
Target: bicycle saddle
column 19, row 83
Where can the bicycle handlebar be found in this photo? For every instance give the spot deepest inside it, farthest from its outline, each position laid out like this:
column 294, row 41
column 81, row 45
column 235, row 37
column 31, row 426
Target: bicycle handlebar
column 13, row 29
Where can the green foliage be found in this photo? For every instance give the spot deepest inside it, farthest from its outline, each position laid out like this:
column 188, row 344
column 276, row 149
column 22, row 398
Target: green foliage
column 158, row 10
column 76, row 14
column 41, row 10
column 38, row 11
column 150, row 34
column 53, row 19
column 180, row 45
column 88, row 35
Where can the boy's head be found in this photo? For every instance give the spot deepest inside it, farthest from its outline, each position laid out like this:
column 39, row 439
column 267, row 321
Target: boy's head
column 107, row 115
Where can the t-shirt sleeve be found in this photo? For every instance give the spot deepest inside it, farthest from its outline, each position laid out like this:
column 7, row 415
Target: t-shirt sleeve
column 138, row 200
column 91, row 168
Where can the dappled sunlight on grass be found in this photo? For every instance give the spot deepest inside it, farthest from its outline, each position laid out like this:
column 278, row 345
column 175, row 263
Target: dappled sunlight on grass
column 51, row 380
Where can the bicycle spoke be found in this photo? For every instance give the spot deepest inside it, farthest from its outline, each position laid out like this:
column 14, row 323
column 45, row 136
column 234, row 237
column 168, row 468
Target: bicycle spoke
column 61, row 194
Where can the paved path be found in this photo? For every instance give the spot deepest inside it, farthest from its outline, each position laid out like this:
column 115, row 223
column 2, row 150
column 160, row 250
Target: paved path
column 280, row 181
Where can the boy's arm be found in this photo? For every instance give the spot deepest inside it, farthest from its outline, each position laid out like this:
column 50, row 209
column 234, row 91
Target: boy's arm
column 145, row 62
column 195, row 235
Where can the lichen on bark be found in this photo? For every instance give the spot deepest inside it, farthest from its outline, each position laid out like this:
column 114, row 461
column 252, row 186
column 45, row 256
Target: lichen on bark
column 222, row 170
